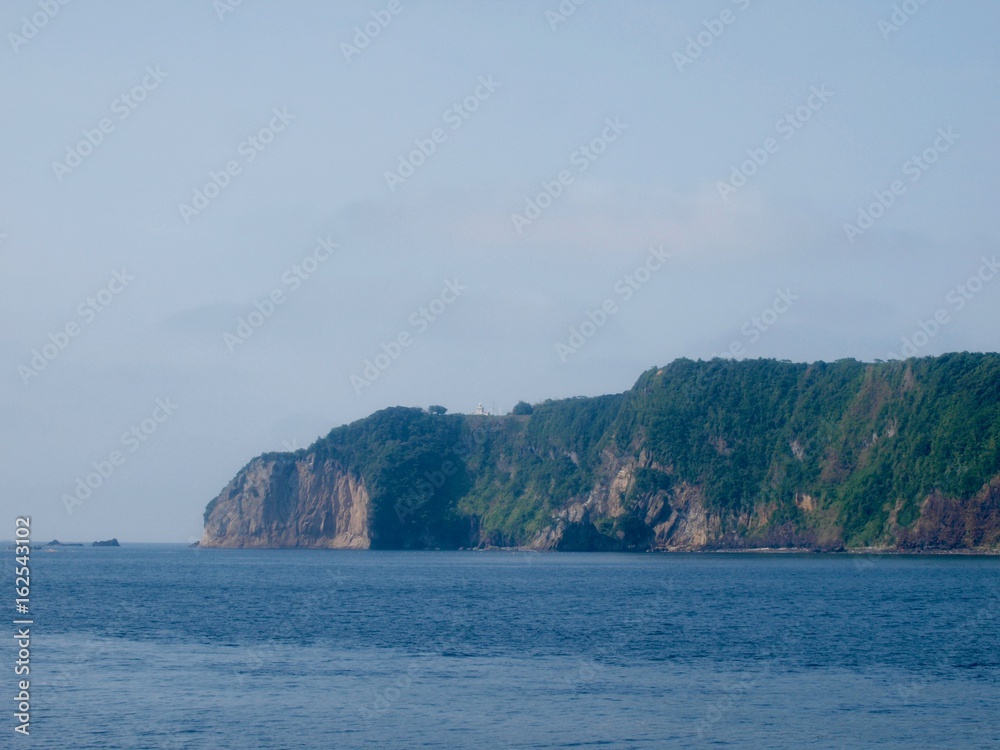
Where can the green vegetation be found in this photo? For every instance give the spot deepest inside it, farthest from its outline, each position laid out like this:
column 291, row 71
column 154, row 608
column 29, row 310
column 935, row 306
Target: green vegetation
column 867, row 443
column 522, row 409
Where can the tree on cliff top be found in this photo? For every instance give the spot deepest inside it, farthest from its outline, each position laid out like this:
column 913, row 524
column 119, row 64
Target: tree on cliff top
column 522, row 408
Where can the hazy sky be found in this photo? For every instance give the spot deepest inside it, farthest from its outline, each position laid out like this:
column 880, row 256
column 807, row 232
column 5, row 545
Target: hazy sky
column 463, row 187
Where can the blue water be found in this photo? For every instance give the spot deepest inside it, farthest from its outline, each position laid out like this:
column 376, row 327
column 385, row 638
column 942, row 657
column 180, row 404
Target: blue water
column 170, row 647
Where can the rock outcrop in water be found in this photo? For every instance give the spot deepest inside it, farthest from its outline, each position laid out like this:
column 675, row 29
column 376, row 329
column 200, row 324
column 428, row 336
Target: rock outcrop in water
column 697, row 455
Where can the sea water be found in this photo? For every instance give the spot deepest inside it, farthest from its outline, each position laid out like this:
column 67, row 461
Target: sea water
column 162, row 646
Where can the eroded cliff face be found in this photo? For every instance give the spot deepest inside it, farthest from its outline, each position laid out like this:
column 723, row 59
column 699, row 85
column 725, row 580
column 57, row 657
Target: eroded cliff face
column 290, row 502
column 680, row 520
column 696, row 456
column 308, row 502
column 948, row 523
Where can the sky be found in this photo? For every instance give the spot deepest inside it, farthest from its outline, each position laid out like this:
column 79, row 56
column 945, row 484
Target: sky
column 228, row 227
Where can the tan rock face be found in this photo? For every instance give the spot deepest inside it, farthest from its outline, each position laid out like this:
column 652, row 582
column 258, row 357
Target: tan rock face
column 690, row 526
column 805, row 502
column 290, row 503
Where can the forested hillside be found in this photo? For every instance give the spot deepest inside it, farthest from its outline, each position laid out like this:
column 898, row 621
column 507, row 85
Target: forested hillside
column 697, row 455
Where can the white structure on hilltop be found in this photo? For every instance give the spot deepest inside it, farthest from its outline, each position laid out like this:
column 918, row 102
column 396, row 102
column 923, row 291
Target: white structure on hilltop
column 480, row 411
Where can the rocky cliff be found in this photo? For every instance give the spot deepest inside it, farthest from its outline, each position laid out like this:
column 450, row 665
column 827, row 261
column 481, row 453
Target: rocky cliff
column 698, row 455
column 290, row 502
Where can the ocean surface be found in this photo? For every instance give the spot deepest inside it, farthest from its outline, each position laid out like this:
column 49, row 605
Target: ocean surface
column 162, row 646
